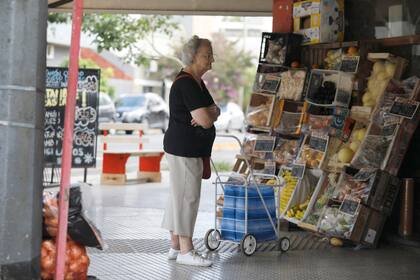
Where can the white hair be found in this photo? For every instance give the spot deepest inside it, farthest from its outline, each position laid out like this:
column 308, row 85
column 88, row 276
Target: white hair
column 189, row 50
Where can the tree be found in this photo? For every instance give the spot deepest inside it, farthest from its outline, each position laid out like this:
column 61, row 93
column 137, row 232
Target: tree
column 122, row 33
column 106, row 74
column 230, row 71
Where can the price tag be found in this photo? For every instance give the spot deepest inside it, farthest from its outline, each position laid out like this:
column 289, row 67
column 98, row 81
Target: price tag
column 264, row 143
column 349, row 205
column 389, row 130
column 405, row 108
column 349, row 64
column 298, row 170
column 318, row 142
column 270, row 167
column 271, row 84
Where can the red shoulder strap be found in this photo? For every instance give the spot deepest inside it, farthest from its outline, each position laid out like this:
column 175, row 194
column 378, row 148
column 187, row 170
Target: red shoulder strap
column 189, row 76
column 182, row 76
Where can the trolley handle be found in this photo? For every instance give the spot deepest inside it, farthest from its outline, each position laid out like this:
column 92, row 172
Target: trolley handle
column 278, row 181
column 230, row 136
column 232, row 175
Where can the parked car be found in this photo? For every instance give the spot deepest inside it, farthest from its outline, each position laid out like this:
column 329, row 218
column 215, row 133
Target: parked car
column 106, row 109
column 231, row 117
column 148, row 108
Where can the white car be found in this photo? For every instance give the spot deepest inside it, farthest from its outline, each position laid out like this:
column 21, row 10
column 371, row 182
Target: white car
column 231, row 117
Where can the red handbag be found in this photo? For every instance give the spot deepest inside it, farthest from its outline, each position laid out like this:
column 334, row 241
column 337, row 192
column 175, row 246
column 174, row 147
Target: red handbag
column 206, row 168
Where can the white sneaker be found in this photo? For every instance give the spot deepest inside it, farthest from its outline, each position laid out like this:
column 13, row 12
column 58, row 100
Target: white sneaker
column 172, row 254
column 193, row 258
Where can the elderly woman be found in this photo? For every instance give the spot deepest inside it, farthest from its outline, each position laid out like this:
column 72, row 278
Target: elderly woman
column 189, row 138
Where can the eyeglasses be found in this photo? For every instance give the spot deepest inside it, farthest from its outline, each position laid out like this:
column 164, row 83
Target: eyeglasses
column 208, row 56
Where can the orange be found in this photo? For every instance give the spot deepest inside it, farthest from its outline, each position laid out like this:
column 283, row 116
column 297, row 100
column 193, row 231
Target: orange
column 295, row 64
column 352, row 51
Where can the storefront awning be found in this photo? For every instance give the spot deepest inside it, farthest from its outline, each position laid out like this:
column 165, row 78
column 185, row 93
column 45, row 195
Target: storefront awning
column 171, row 7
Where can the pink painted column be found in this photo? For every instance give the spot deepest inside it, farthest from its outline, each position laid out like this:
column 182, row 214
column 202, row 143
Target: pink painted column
column 68, row 139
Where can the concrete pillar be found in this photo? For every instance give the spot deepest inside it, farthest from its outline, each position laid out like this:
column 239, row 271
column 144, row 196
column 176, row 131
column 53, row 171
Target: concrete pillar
column 22, row 81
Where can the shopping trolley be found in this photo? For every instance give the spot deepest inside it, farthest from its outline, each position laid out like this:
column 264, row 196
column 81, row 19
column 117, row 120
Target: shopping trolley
column 251, row 211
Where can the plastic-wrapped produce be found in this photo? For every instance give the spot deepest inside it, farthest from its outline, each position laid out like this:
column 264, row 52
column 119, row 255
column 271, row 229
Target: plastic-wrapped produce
column 372, row 152
column 333, row 222
column 289, row 124
column 292, row 84
column 286, row 151
column 325, row 193
column 259, row 110
column 76, row 260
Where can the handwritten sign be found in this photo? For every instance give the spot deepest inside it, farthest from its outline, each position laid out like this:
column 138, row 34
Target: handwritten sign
column 264, row 143
column 298, row 170
column 318, row 142
column 349, row 64
column 405, row 108
column 86, row 116
column 349, row 206
column 271, row 84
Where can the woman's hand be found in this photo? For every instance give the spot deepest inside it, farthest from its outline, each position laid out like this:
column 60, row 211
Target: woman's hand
column 205, row 116
column 214, row 111
column 194, row 123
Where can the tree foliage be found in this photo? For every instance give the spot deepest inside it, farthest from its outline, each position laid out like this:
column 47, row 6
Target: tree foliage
column 122, row 32
column 229, row 77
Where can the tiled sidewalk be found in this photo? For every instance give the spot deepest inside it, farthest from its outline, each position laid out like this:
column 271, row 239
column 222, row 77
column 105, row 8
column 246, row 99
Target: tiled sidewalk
column 129, row 218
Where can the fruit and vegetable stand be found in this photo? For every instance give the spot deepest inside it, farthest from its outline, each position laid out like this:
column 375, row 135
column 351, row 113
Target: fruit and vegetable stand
column 336, row 126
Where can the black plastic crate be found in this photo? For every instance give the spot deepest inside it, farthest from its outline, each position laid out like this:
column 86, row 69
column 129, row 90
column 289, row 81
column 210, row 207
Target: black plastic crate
column 280, row 48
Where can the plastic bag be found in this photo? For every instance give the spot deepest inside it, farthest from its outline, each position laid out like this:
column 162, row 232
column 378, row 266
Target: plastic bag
column 320, row 122
column 302, row 195
column 79, row 228
column 292, row 84
column 372, row 152
column 289, row 123
column 349, row 186
column 286, row 151
column 76, row 260
column 259, row 110
column 333, row 222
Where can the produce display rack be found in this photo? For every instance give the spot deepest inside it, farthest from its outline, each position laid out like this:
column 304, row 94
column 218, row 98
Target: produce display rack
column 342, row 149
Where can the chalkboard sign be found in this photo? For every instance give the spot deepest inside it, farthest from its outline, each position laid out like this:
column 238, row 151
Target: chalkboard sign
column 342, row 97
column 405, row 108
column 270, row 167
column 86, row 117
column 389, row 130
column 271, row 84
column 349, row 206
column 264, row 144
column 349, row 64
column 318, row 142
column 298, row 170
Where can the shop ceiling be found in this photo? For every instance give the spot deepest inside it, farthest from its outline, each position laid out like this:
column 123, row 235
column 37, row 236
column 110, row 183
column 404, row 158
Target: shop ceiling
column 171, row 7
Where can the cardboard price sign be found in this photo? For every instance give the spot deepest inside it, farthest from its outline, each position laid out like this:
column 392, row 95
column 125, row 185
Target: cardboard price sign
column 271, row 84
column 318, row 142
column 349, row 206
column 264, row 144
column 298, row 170
column 349, row 64
column 405, row 108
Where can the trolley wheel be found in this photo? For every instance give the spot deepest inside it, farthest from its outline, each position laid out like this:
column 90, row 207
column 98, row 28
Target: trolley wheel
column 212, row 239
column 284, row 244
column 248, row 244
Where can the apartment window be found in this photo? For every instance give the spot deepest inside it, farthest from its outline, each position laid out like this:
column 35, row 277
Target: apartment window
column 50, row 51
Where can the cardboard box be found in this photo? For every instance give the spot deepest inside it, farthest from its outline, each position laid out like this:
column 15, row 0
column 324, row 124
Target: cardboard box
column 384, row 192
column 380, row 189
column 319, row 21
column 280, row 48
column 402, row 138
column 368, row 227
